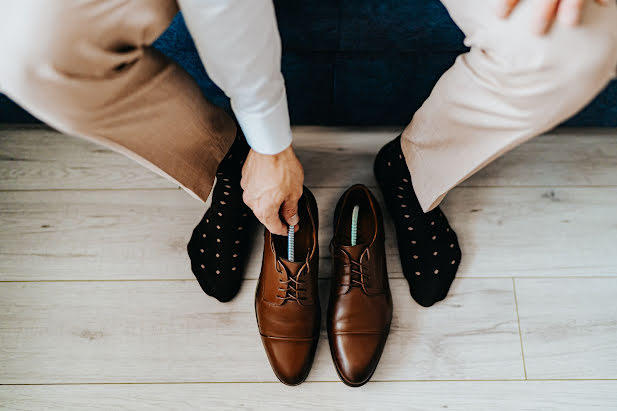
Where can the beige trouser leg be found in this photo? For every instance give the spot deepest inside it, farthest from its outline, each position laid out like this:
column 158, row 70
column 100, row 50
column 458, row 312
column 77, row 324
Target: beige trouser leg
column 511, row 86
column 87, row 69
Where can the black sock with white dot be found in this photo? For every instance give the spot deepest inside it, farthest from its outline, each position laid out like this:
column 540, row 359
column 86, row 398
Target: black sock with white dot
column 219, row 246
column 428, row 246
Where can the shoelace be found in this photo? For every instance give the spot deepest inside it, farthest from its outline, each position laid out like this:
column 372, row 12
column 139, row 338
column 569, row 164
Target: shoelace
column 293, row 284
column 358, row 277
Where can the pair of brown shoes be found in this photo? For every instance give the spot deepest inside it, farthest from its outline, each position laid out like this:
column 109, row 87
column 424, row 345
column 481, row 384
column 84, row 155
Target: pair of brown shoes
column 360, row 307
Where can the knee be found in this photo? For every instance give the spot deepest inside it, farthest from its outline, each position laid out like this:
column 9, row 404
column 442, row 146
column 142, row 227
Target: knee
column 586, row 61
column 577, row 67
column 568, row 67
column 52, row 42
column 59, row 65
column 35, row 54
column 583, row 57
column 20, row 57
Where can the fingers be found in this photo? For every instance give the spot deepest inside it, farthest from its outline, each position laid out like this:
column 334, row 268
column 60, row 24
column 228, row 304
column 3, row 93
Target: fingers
column 546, row 16
column 289, row 212
column 506, row 7
column 570, row 11
column 267, row 214
column 272, row 186
column 273, row 222
column 270, row 215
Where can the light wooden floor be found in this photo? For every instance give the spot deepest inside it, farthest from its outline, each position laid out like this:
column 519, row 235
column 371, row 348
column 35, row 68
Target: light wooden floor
column 99, row 308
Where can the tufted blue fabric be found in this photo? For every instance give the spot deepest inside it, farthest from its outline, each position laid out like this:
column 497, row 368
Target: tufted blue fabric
column 354, row 62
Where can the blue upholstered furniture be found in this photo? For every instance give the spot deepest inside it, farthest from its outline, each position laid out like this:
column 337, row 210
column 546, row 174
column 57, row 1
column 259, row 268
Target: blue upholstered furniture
column 355, row 62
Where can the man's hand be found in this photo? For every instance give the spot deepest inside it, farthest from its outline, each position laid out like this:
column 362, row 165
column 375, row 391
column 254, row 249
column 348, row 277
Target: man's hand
column 272, row 186
column 567, row 11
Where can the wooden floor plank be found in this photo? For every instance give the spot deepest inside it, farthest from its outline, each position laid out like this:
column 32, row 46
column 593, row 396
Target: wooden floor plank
column 340, row 157
column 569, row 327
column 32, row 158
column 102, row 234
column 42, row 159
column 535, row 231
column 546, row 209
column 169, row 331
column 421, row 396
column 90, row 235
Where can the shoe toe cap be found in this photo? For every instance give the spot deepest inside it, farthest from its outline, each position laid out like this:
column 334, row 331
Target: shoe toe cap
column 290, row 359
column 356, row 356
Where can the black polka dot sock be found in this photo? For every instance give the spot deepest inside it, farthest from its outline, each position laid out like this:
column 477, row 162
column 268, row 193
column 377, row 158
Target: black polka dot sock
column 428, row 246
column 219, row 246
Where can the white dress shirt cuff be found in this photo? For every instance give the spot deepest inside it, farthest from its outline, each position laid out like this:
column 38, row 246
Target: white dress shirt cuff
column 267, row 132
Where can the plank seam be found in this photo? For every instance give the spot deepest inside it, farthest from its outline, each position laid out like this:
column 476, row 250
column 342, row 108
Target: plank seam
column 308, row 382
column 463, row 277
column 466, row 186
column 518, row 320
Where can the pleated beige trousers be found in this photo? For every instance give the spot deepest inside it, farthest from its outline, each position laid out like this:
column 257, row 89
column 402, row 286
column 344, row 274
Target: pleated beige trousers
column 511, row 86
column 87, row 69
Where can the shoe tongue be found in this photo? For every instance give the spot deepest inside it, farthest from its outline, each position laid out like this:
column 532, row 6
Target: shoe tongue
column 355, row 251
column 293, row 268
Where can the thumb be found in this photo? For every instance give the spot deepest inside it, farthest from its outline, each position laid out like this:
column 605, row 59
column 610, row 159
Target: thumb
column 289, row 212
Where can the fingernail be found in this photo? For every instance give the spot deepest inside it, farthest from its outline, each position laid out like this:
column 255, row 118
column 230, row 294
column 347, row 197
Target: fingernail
column 541, row 27
column 294, row 220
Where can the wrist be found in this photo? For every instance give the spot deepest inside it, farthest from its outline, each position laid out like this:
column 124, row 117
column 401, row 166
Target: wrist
column 282, row 155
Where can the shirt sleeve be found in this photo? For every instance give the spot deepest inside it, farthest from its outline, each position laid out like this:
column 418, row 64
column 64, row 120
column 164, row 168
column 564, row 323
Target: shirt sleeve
column 239, row 44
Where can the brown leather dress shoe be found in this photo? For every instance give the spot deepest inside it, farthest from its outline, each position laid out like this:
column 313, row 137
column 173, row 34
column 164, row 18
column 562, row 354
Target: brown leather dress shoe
column 360, row 307
column 287, row 299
